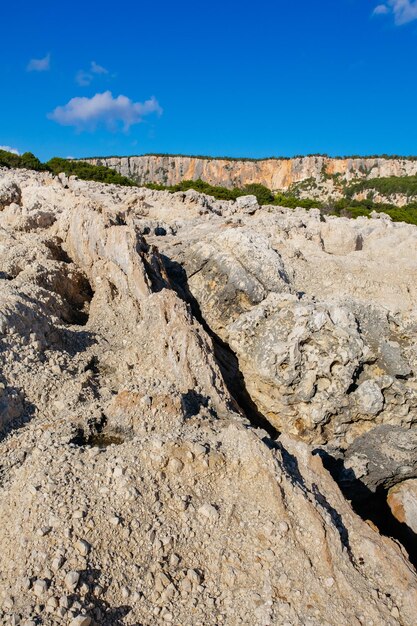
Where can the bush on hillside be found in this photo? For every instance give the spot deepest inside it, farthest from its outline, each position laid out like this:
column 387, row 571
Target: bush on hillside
column 387, row 186
column 26, row 160
column 86, row 171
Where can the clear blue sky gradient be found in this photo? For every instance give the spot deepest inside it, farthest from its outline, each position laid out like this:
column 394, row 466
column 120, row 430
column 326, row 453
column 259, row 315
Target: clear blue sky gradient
column 233, row 78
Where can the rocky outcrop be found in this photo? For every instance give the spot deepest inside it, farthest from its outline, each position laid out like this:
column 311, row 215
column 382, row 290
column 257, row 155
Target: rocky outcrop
column 135, row 485
column 276, row 174
column 320, row 318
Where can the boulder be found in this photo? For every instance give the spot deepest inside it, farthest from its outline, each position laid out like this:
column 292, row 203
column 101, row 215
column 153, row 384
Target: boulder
column 402, row 500
column 9, row 193
column 247, row 204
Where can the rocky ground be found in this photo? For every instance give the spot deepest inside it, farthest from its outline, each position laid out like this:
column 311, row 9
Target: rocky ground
column 183, row 384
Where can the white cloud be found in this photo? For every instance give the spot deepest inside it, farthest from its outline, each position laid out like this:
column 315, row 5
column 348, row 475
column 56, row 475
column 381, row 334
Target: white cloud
column 404, row 11
column 39, row 65
column 9, row 149
column 103, row 108
column 381, row 9
column 84, row 78
column 98, row 69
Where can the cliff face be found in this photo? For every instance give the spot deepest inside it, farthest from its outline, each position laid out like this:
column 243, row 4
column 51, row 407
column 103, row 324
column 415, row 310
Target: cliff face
column 276, row 174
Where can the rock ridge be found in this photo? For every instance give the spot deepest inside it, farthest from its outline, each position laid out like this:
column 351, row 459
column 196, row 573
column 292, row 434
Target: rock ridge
column 134, row 488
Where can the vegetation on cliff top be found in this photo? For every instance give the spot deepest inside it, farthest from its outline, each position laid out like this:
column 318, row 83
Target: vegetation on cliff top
column 206, row 157
column 26, row 160
column 85, row 171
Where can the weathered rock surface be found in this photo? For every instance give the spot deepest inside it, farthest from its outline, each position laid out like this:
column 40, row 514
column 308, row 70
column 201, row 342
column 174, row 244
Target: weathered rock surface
column 383, row 457
column 402, row 500
column 325, row 341
column 133, row 487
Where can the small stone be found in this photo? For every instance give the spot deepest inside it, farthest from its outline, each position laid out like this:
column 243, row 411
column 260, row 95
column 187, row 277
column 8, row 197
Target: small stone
column 8, row 604
column 208, row 511
column 83, row 547
column 369, row 398
column 115, row 521
column 161, row 581
column 71, row 580
column 26, row 583
column 283, row 527
column 146, row 401
column 174, row 560
column 169, row 592
column 81, row 620
column 40, row 587
column 186, row 586
column 125, row 592
column 57, row 563
column 64, row 602
column 175, row 466
column 194, row 576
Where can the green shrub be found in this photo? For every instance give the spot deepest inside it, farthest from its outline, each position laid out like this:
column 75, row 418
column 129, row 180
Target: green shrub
column 30, row 162
column 86, row 171
column 26, row 160
column 220, row 193
column 292, row 202
column 406, row 185
column 346, row 207
column 262, row 193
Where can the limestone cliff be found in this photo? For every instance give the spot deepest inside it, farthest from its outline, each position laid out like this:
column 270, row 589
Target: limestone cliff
column 276, row 174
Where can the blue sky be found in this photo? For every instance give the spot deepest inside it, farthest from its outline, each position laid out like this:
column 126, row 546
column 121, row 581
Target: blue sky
column 221, row 77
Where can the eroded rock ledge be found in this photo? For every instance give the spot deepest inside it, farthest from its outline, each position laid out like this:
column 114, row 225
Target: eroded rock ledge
column 134, row 486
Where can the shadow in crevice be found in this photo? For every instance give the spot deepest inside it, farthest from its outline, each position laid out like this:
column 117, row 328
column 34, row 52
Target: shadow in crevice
column 73, row 287
column 25, row 410
column 73, row 341
column 58, row 253
column 225, row 357
column 192, row 402
column 98, row 434
column 370, row 505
